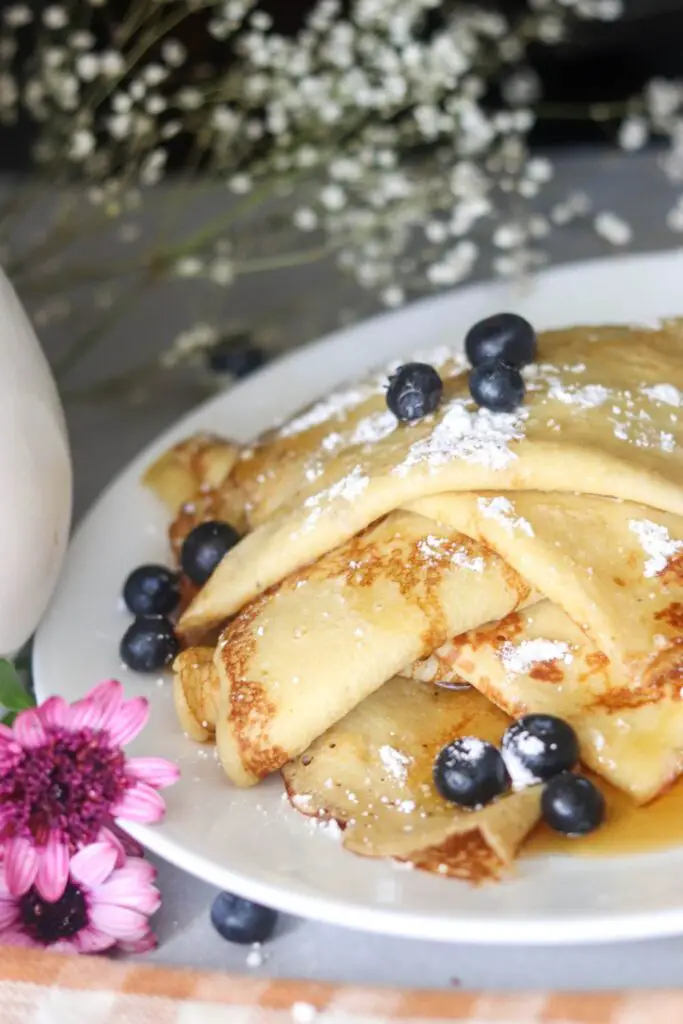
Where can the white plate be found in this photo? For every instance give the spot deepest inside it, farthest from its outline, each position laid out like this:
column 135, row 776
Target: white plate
column 250, row 841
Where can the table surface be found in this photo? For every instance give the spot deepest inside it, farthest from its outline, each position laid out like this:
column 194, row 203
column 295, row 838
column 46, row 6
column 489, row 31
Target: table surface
column 106, row 434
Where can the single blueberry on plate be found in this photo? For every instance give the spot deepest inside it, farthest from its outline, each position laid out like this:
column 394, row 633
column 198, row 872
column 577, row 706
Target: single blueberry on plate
column 204, row 548
column 505, row 337
column 240, row 920
column 414, row 392
column 470, row 772
column 536, row 747
column 497, row 386
column 152, row 590
column 149, row 644
column 572, row 804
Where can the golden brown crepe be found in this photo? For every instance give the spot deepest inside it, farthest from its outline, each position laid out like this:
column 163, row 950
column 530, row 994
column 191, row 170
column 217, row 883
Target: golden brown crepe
column 539, row 661
column 372, row 773
column 306, row 652
column 600, row 417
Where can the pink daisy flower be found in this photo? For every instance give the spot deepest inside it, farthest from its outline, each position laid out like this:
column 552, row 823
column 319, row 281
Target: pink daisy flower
column 64, row 778
column 102, row 906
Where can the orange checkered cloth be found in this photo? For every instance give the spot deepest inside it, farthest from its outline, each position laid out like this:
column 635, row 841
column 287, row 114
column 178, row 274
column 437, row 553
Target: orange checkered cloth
column 45, row 988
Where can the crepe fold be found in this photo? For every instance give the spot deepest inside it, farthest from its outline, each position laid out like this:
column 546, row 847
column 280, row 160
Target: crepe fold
column 309, row 650
column 372, row 773
column 599, row 418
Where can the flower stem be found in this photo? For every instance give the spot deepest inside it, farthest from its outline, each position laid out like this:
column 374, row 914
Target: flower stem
column 87, row 341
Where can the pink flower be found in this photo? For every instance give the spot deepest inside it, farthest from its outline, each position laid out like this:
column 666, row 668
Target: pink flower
column 102, row 906
column 64, row 778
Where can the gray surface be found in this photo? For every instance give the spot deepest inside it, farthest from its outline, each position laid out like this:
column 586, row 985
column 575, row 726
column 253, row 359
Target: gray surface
column 106, row 435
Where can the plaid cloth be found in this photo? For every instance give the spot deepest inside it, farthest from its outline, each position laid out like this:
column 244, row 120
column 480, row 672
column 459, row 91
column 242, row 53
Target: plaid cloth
column 44, row 988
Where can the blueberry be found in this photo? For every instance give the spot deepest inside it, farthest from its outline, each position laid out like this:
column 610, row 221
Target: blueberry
column 505, row 337
column 414, row 391
column 470, row 772
column 497, row 386
column 540, row 746
column 236, row 355
column 204, row 547
column 151, row 590
column 149, row 644
column 572, row 804
column 239, row 920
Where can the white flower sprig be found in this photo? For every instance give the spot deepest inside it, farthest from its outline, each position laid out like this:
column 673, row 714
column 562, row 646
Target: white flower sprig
column 390, row 135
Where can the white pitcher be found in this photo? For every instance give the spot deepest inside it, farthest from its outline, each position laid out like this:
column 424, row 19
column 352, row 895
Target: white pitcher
column 35, row 476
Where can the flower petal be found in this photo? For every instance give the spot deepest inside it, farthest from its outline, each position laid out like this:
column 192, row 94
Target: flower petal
column 18, row 937
column 53, row 868
column 137, row 871
column 143, row 945
column 93, row 864
column 140, row 803
column 85, row 714
column 54, row 713
column 109, row 698
column 28, row 729
column 155, row 771
column 126, row 892
column 129, row 846
column 130, row 719
column 90, row 940
column 9, row 913
column 121, row 922
column 21, row 866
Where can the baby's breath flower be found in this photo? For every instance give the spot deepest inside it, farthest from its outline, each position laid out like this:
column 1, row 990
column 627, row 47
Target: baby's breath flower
column 55, row 17
column 612, row 228
column 240, row 184
column 305, row 219
column 18, row 15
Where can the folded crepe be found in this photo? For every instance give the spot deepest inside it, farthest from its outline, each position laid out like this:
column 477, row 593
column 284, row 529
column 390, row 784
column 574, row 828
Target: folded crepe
column 307, row 651
column 600, row 417
column 539, row 661
column 372, row 773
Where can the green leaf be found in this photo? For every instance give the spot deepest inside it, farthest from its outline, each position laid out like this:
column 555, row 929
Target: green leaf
column 13, row 696
column 8, row 719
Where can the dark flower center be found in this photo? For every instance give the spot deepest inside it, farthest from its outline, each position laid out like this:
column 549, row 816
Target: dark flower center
column 49, row 922
column 69, row 784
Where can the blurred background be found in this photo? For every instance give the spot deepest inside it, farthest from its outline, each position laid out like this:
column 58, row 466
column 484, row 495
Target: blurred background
column 597, row 61
column 189, row 187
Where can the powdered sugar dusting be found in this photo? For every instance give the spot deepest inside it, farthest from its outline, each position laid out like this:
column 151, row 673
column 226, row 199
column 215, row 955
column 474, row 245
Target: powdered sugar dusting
column 503, row 511
column 519, row 658
column 374, row 428
column 336, row 405
column 440, row 549
column 477, row 436
column 468, row 748
column 666, row 393
column 590, row 396
column 332, row 407
column 348, row 488
column 394, row 761
column 656, row 542
column 520, row 774
column 465, row 560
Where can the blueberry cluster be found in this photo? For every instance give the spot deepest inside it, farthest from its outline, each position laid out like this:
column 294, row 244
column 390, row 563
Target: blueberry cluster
column 471, row 773
column 497, row 348
column 152, row 594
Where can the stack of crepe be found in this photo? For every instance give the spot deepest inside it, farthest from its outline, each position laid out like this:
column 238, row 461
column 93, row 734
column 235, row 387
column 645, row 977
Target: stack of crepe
column 535, row 556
